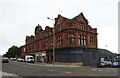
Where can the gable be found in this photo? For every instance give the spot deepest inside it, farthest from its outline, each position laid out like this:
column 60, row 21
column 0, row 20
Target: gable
column 81, row 18
column 60, row 19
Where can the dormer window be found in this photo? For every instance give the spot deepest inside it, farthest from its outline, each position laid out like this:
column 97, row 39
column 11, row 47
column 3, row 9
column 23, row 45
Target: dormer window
column 69, row 22
column 80, row 26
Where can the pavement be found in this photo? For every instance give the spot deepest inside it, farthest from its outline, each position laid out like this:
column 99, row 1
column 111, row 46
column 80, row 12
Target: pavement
column 53, row 65
column 6, row 74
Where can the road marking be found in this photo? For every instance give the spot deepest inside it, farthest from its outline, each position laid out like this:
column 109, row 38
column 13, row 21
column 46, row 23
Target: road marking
column 94, row 69
column 68, row 72
column 99, row 70
column 31, row 64
column 7, row 74
column 51, row 70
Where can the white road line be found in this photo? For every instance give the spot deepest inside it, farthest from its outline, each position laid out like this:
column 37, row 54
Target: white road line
column 94, row 69
column 68, row 72
column 31, row 64
column 51, row 70
column 99, row 70
column 7, row 74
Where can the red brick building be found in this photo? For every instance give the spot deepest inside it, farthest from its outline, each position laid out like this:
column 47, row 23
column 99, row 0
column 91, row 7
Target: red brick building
column 73, row 33
column 68, row 32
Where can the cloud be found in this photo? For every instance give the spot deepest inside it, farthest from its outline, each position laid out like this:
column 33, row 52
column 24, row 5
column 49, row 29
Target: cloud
column 108, row 36
column 20, row 17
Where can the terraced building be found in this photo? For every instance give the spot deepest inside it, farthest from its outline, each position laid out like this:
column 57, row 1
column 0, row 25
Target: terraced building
column 72, row 40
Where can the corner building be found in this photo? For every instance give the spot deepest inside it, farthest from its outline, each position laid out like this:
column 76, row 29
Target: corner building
column 73, row 40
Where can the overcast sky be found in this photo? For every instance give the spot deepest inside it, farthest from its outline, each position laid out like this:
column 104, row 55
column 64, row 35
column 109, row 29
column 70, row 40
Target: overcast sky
column 19, row 18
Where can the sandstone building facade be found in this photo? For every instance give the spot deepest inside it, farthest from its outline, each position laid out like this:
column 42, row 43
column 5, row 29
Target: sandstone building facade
column 73, row 40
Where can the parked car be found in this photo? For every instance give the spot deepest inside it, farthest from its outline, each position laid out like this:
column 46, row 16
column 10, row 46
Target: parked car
column 5, row 60
column 13, row 59
column 116, row 64
column 101, row 65
column 105, row 64
column 20, row 60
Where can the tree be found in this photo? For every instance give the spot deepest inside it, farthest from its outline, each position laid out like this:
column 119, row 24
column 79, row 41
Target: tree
column 13, row 52
column 5, row 55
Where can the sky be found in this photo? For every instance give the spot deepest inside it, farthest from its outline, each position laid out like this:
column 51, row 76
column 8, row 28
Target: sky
column 18, row 18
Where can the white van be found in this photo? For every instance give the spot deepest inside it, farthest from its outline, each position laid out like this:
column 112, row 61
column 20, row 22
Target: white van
column 29, row 59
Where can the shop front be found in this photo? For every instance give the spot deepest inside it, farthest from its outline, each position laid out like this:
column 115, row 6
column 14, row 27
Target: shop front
column 41, row 57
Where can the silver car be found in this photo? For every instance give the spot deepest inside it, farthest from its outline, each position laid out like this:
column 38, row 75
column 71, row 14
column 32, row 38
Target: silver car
column 20, row 60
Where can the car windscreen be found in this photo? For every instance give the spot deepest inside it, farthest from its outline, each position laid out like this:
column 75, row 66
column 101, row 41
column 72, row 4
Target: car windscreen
column 5, row 58
column 115, row 63
column 31, row 57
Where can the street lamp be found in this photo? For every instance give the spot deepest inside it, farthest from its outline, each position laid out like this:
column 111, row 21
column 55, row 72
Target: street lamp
column 53, row 40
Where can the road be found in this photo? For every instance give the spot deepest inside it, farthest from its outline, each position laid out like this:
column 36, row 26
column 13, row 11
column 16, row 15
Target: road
column 22, row 69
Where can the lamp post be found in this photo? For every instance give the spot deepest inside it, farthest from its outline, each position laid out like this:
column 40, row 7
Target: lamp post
column 105, row 51
column 53, row 40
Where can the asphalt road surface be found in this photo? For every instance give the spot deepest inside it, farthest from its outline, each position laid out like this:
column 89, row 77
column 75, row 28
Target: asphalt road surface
column 22, row 69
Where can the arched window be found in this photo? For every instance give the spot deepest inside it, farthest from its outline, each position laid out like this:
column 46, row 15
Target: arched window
column 81, row 40
column 71, row 39
column 84, row 42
